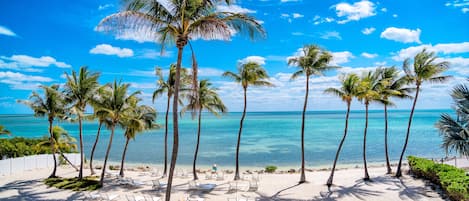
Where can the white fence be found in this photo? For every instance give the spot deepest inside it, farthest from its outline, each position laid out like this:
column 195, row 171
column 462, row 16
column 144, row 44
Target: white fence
column 17, row 165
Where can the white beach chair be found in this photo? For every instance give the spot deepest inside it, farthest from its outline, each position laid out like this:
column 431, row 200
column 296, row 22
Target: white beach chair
column 237, row 185
column 194, row 185
column 151, row 198
column 208, row 175
column 107, row 197
column 157, row 185
column 253, row 185
column 136, row 183
column 91, row 196
column 220, row 176
column 193, row 198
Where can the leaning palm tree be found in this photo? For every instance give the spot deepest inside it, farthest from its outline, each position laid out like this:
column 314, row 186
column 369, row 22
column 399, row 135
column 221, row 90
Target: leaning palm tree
column 52, row 105
column 313, row 61
column 346, row 92
column 137, row 119
column 425, row 68
column 367, row 92
column 4, row 131
column 115, row 107
column 96, row 102
column 80, row 89
column 178, row 22
column 250, row 73
column 167, row 86
column 209, row 100
column 455, row 132
column 391, row 86
column 62, row 143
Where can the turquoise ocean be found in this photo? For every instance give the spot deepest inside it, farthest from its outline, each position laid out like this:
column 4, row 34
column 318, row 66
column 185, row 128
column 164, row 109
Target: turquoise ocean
column 269, row 138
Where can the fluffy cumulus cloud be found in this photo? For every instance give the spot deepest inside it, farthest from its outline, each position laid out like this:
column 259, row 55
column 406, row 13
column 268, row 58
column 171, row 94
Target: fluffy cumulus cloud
column 297, row 15
column 368, row 31
column 28, row 63
column 459, row 65
column 369, row 55
column 331, row 35
column 402, row 35
column 257, row 59
column 7, row 32
column 234, row 9
column 459, row 4
column 22, row 81
column 341, row 57
column 445, row 48
column 107, row 49
column 354, row 12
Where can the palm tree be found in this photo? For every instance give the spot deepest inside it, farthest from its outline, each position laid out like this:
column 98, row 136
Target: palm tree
column 424, row 69
column 177, row 22
column 136, row 120
column 80, row 89
column 115, row 107
column 455, row 132
column 367, row 92
column 167, row 86
column 209, row 100
column 391, row 86
column 346, row 92
column 313, row 61
column 52, row 104
column 97, row 102
column 250, row 73
column 62, row 142
column 4, row 131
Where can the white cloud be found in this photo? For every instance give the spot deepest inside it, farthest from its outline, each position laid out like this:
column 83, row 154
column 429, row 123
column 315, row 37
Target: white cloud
column 209, row 72
column 331, row 35
column 463, row 4
column 341, row 57
column 234, row 9
column 445, row 48
column 368, row 31
column 152, row 54
column 6, row 31
column 369, row 55
column 355, row 11
column 465, row 10
column 459, row 65
column 382, row 63
column 105, row 6
column 297, row 15
column 297, row 33
column 27, row 63
column 21, row 81
column 319, row 20
column 107, row 49
column 384, row 10
column 257, row 59
column 394, row 15
column 401, row 35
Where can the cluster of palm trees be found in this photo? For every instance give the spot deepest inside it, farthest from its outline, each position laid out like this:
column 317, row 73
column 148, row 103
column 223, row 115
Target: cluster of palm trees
column 111, row 103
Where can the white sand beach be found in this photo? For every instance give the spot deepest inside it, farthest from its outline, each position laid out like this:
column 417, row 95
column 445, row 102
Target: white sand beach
column 348, row 185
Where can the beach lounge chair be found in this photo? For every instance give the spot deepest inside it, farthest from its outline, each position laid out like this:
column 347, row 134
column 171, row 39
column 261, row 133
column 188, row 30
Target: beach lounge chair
column 253, row 185
column 151, row 198
column 136, row 183
column 193, row 198
column 124, row 181
column 107, row 197
column 157, row 185
column 91, row 196
column 208, row 175
column 194, row 185
column 237, row 185
column 220, row 176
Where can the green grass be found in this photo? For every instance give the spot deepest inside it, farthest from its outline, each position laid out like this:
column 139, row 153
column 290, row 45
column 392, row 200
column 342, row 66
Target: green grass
column 270, row 169
column 454, row 181
column 87, row 184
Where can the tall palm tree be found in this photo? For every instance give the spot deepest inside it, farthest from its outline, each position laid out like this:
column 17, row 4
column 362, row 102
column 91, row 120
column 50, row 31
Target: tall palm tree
column 455, row 132
column 425, row 69
column 346, row 92
column 313, row 61
column 52, row 105
column 80, row 89
column 115, row 107
column 250, row 73
column 167, row 86
column 391, row 86
column 177, row 22
column 96, row 102
column 4, row 131
column 62, row 142
column 137, row 119
column 209, row 100
column 367, row 92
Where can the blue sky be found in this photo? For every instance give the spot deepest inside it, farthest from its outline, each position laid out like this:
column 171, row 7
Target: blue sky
column 40, row 40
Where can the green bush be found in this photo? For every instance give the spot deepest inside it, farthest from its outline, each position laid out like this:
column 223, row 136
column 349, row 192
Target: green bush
column 19, row 146
column 454, row 181
column 270, row 169
column 87, row 184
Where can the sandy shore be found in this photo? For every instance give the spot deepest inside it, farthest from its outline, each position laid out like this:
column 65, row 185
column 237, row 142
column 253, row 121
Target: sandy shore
column 348, row 185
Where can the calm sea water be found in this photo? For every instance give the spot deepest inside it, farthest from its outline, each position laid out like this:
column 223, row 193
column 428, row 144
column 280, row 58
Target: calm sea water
column 269, row 138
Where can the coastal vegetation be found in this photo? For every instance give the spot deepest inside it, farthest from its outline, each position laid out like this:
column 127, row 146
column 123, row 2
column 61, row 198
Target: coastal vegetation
column 4, row 131
column 74, row 184
column 20, row 146
column 454, row 181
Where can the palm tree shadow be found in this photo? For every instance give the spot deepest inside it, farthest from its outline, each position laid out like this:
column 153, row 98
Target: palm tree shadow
column 419, row 192
column 341, row 191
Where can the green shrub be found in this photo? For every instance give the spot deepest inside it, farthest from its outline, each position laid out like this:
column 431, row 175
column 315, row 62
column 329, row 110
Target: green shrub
column 87, row 184
column 270, row 169
column 454, row 181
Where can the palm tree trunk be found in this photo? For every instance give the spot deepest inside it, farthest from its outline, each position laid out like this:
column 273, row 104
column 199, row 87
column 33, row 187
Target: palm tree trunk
column 94, row 147
column 52, row 149
column 101, row 181
column 331, row 177
column 303, row 177
column 239, row 135
column 175, row 123
column 68, row 161
column 197, row 146
column 386, row 138
column 80, row 174
column 166, row 138
column 398, row 172
column 121, row 173
column 367, row 177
